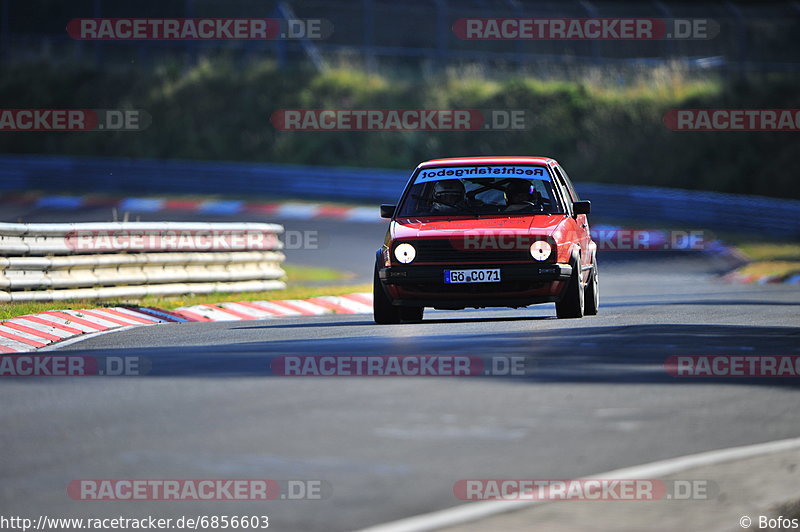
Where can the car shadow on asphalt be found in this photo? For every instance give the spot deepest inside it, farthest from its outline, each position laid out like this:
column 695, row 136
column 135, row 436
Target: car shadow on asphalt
column 624, row 354
column 371, row 323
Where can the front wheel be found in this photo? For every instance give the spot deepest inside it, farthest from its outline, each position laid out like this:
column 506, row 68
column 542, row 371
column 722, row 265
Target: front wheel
column 383, row 311
column 572, row 303
column 411, row 313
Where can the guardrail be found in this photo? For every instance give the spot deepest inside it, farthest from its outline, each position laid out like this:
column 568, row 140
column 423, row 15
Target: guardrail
column 47, row 262
column 711, row 210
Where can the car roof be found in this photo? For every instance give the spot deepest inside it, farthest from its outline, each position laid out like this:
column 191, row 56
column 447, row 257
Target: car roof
column 505, row 159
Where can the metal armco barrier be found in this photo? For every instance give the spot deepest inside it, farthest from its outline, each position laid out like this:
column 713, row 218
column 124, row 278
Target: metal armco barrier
column 699, row 209
column 47, row 262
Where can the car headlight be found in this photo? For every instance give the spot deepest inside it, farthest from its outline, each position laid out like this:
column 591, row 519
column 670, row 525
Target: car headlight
column 540, row 250
column 405, row 253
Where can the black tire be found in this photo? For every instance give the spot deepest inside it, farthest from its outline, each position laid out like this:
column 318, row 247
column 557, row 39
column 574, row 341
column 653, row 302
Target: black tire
column 592, row 293
column 383, row 312
column 411, row 313
column 572, row 303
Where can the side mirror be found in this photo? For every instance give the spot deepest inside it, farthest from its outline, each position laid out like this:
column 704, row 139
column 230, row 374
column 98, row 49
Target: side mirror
column 582, row 207
column 387, row 210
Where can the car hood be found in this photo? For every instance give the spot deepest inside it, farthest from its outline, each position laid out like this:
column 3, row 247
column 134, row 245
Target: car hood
column 439, row 227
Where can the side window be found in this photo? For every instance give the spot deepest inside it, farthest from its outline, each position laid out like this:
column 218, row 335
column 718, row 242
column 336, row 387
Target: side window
column 566, row 180
column 563, row 192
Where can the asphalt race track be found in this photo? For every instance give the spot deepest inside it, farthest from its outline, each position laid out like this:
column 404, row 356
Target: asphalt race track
column 596, row 396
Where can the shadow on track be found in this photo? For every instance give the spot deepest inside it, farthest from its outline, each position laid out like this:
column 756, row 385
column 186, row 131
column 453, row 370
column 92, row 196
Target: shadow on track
column 618, row 354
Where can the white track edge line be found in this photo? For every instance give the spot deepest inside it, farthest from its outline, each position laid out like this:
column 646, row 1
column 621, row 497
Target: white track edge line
column 468, row 512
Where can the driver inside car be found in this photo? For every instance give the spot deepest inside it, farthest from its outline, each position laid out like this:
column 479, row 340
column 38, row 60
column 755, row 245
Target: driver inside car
column 521, row 195
column 448, row 195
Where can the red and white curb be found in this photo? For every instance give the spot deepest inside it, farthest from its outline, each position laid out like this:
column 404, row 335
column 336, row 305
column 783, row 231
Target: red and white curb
column 34, row 331
column 283, row 210
column 358, row 303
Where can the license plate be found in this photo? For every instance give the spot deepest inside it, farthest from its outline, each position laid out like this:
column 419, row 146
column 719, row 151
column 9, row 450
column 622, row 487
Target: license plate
column 472, row 276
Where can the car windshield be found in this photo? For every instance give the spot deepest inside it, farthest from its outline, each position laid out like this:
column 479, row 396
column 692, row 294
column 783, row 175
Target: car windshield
column 481, row 190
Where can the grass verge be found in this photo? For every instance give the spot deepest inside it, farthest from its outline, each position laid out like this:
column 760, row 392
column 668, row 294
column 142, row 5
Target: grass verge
column 295, row 275
column 770, row 258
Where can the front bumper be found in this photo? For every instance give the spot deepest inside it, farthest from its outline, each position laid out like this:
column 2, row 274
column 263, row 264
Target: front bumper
column 521, row 285
column 407, row 275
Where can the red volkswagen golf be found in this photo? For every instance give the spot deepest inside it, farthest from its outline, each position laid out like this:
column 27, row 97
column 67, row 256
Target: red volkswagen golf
column 479, row 232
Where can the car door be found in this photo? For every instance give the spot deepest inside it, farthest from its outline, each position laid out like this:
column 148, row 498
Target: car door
column 581, row 222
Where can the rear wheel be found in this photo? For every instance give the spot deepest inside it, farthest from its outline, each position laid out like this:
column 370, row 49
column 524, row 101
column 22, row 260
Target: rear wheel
column 571, row 305
column 382, row 309
column 592, row 293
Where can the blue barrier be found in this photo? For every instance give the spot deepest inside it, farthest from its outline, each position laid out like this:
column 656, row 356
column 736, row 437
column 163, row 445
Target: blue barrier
column 731, row 212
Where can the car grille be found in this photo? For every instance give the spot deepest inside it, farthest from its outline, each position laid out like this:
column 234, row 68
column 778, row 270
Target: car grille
column 442, row 251
column 474, row 288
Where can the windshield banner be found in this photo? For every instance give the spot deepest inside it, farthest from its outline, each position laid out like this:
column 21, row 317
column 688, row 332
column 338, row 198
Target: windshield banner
column 452, row 172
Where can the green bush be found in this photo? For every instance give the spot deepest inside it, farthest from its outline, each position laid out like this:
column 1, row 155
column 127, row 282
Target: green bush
column 220, row 110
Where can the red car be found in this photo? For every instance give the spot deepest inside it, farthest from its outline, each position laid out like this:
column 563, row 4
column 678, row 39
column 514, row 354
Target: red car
column 479, row 232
